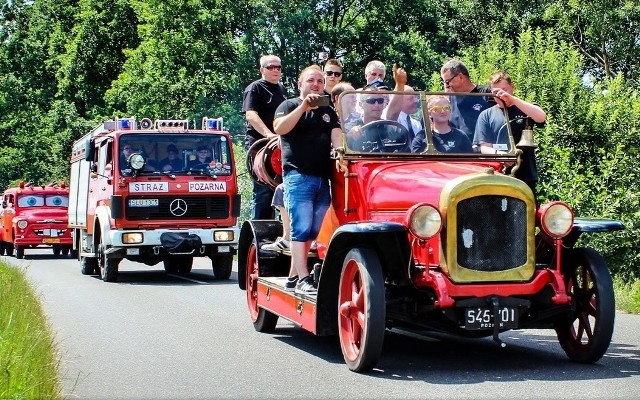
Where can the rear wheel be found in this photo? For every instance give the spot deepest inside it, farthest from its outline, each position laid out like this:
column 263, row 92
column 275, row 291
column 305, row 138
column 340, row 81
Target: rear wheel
column 263, row 320
column 3, row 245
column 8, row 249
column 19, row 252
column 585, row 336
column 89, row 266
column 361, row 309
column 178, row 264
column 222, row 266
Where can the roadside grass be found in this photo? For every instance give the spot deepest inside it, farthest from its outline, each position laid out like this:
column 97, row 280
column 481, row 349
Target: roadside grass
column 627, row 295
column 28, row 366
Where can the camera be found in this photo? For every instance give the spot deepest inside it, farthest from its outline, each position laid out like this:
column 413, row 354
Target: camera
column 319, row 101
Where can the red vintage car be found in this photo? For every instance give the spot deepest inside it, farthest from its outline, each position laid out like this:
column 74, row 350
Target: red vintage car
column 35, row 216
column 429, row 236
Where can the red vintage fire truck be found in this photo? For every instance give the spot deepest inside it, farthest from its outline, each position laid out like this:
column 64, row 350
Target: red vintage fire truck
column 433, row 238
column 34, row 216
column 154, row 191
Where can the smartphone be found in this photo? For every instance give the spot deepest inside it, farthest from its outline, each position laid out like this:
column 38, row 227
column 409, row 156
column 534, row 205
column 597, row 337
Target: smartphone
column 320, row 101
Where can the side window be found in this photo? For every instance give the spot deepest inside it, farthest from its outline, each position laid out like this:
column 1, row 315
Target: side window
column 102, row 157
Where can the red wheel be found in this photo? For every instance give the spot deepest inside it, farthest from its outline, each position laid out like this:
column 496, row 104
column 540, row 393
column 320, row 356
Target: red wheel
column 361, row 309
column 263, row 320
column 586, row 335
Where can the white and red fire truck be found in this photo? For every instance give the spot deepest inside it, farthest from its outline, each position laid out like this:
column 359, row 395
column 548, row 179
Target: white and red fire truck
column 151, row 192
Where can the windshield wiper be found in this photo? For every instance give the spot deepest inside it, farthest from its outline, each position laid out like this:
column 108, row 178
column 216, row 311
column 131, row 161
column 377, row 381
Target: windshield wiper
column 203, row 172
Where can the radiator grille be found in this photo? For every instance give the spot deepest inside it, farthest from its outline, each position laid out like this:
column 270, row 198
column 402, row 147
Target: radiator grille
column 197, row 207
column 491, row 233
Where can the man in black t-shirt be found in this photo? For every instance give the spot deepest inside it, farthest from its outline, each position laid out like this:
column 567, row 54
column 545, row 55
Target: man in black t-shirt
column 260, row 100
column 306, row 134
column 491, row 131
column 464, row 109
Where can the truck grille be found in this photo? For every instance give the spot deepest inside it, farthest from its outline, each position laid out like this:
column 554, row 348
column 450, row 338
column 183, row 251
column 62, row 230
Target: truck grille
column 491, row 233
column 197, row 207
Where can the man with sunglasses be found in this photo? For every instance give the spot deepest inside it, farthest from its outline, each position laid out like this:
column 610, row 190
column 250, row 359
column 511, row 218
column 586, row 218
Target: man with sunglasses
column 332, row 76
column 464, row 109
column 261, row 99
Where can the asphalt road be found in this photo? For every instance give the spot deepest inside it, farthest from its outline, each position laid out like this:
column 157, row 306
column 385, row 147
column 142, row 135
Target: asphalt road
column 155, row 336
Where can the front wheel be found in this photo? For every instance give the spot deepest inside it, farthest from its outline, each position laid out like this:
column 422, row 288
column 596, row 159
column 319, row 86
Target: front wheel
column 585, row 336
column 89, row 266
column 263, row 320
column 108, row 266
column 361, row 309
column 19, row 252
column 57, row 251
column 222, row 266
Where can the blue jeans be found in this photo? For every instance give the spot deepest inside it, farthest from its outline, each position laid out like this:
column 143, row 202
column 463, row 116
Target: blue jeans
column 261, row 201
column 307, row 199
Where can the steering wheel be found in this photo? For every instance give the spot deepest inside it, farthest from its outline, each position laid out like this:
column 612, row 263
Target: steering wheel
column 387, row 137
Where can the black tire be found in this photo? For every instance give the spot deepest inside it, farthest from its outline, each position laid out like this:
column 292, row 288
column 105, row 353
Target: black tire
column 8, row 249
column 222, row 266
column 585, row 336
column 108, row 266
column 178, row 264
column 89, row 266
column 65, row 252
column 73, row 254
column 19, row 252
column 361, row 339
column 3, row 246
column 57, row 251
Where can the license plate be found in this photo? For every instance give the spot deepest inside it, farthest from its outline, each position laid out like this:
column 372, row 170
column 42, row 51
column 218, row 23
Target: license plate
column 143, row 202
column 482, row 318
column 50, row 240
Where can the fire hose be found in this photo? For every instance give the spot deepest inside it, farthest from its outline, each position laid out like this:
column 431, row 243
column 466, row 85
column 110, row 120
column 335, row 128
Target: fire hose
column 264, row 161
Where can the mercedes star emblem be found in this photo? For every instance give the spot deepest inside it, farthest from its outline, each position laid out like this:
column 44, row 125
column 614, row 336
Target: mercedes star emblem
column 178, row 207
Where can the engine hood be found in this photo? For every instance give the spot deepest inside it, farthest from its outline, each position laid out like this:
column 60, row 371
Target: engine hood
column 398, row 186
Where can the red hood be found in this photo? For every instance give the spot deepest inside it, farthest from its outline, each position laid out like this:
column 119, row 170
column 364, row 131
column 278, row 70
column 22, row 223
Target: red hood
column 398, row 186
column 43, row 214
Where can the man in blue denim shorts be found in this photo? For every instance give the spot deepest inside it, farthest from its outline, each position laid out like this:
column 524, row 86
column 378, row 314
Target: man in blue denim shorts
column 306, row 135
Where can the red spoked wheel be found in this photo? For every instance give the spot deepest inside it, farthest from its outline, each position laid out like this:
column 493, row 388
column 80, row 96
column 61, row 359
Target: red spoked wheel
column 263, row 320
column 586, row 335
column 361, row 309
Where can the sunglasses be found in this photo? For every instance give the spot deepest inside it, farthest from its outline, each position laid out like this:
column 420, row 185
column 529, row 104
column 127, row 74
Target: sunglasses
column 440, row 108
column 378, row 100
column 332, row 73
column 274, row 67
column 446, row 82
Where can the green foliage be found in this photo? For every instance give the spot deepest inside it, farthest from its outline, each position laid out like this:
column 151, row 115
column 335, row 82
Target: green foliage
column 27, row 352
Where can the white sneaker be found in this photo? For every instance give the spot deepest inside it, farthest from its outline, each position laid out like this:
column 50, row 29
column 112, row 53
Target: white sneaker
column 280, row 244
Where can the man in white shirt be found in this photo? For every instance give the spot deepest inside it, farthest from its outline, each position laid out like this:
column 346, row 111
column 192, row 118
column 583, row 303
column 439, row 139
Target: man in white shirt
column 408, row 108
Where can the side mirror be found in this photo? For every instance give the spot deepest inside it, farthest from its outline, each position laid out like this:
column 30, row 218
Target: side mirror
column 89, row 150
column 94, row 167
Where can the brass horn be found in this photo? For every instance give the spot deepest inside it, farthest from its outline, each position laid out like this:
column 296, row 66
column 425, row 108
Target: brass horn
column 526, row 140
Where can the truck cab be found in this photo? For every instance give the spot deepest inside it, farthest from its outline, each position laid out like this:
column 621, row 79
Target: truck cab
column 154, row 191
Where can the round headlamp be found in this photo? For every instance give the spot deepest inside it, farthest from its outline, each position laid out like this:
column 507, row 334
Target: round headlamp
column 556, row 219
column 424, row 220
column 136, row 161
column 22, row 223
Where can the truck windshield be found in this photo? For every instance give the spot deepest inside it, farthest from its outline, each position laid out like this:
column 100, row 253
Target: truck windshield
column 40, row 200
column 424, row 123
column 208, row 153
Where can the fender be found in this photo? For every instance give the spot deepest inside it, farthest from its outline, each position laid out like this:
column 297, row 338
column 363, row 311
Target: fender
column 388, row 239
column 256, row 232
column 590, row 225
column 103, row 217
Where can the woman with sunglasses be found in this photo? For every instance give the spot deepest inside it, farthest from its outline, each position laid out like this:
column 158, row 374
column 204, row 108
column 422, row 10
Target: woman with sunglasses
column 445, row 138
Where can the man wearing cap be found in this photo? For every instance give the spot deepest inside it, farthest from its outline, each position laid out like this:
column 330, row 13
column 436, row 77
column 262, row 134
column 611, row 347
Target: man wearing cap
column 172, row 162
column 261, row 98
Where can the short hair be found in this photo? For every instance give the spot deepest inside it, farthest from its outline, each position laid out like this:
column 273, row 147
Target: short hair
column 499, row 76
column 339, row 88
column 264, row 60
column 432, row 98
column 333, row 61
column 375, row 64
column 313, row 67
column 455, row 67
